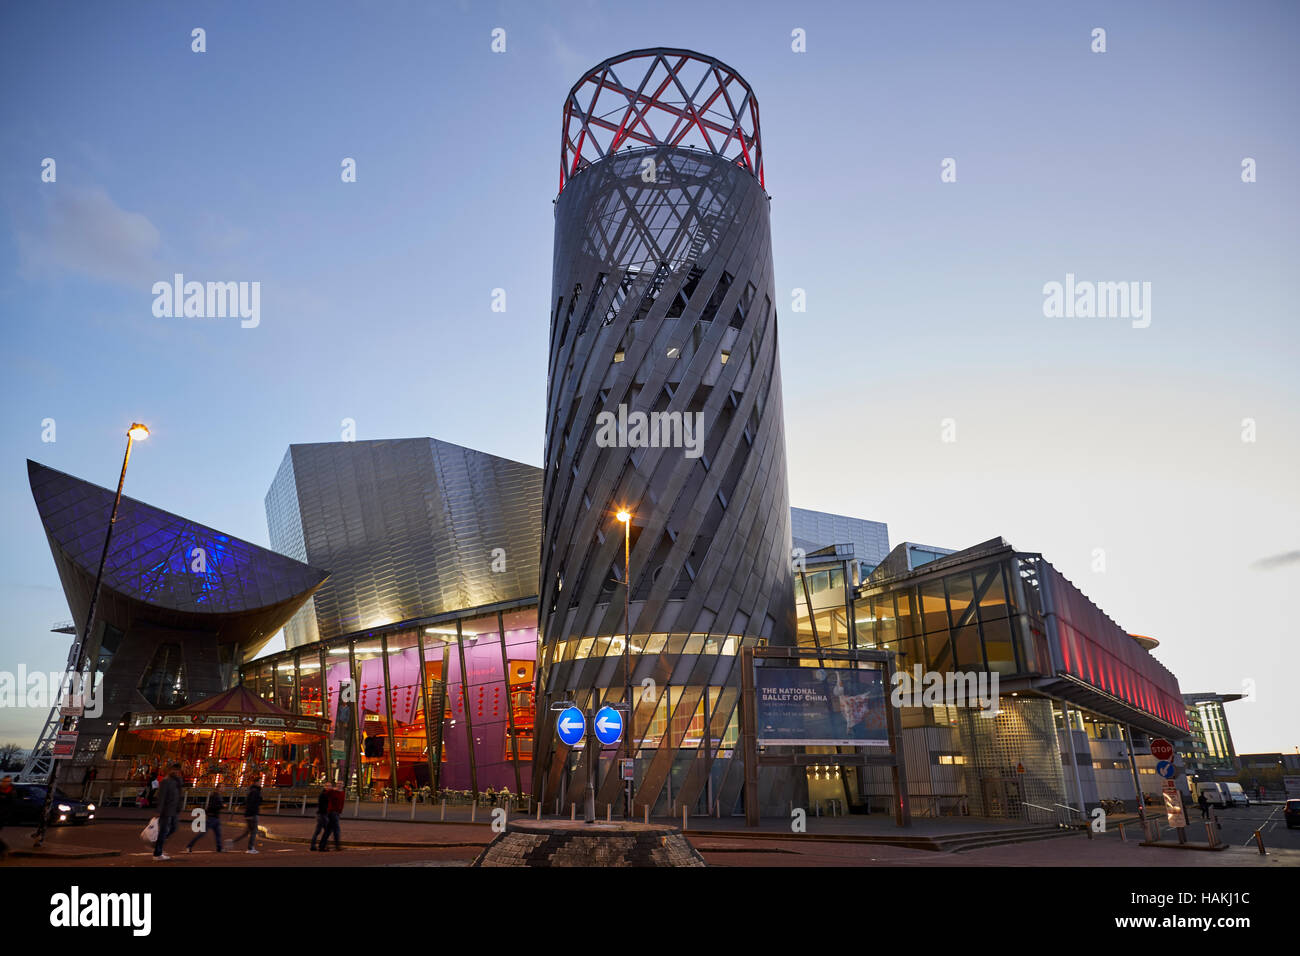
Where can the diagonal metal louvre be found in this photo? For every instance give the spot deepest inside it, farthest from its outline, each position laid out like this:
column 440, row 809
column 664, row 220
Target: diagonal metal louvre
column 664, row 302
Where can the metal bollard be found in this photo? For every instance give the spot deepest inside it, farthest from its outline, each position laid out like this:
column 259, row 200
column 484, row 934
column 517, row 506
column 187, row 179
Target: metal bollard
column 684, row 818
column 1209, row 833
column 278, row 796
column 573, row 812
column 412, row 809
column 539, row 811
column 647, row 814
column 609, row 813
column 383, row 812
column 304, row 804
column 1259, row 841
column 443, row 815
column 356, row 807
column 1122, row 836
column 473, row 811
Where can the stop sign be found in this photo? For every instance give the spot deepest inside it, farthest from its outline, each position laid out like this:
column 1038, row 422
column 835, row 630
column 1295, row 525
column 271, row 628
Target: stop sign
column 1162, row 749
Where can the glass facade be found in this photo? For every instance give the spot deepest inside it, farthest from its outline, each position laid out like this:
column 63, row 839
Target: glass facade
column 443, row 704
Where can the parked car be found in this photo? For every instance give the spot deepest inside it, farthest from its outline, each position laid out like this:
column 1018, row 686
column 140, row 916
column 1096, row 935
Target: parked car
column 1291, row 813
column 29, row 798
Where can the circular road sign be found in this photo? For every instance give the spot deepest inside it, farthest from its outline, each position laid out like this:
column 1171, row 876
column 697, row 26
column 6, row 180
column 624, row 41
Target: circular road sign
column 1166, row 769
column 1162, row 749
column 571, row 726
column 609, row 726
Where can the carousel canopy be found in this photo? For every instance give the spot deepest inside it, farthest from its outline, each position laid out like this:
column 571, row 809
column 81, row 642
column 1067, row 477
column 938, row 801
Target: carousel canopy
column 236, row 711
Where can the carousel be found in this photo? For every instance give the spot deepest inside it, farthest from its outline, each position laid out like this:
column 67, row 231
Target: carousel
column 235, row 738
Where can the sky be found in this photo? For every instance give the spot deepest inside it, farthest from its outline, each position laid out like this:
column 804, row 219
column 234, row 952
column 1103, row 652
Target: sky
column 1152, row 459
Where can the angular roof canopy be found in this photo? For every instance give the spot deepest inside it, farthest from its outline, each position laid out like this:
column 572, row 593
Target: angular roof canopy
column 161, row 559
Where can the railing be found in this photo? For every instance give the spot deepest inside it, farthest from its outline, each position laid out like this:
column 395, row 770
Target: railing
column 1048, row 815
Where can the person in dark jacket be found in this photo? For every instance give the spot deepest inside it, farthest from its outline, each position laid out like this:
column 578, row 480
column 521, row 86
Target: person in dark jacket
column 252, row 809
column 322, row 816
column 1204, row 803
column 211, row 820
column 169, row 808
column 7, row 800
column 333, row 813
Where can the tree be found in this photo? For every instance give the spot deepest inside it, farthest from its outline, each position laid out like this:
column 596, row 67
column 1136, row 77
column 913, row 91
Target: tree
column 11, row 756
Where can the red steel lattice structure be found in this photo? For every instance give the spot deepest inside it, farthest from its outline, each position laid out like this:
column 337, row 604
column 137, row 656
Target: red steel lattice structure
column 658, row 97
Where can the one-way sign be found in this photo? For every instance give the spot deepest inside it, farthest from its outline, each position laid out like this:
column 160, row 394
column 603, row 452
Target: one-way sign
column 572, row 726
column 609, row 726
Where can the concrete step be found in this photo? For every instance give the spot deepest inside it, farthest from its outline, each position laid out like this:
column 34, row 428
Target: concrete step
column 1005, row 839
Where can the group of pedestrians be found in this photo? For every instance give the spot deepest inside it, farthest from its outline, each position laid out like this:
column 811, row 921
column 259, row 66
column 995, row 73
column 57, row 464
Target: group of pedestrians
column 169, row 808
column 329, row 809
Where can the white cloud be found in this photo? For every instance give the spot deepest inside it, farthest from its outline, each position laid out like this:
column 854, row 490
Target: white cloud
column 83, row 231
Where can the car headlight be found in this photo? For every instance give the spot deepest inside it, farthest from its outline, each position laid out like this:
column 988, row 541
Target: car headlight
column 90, row 807
column 62, row 818
column 64, row 808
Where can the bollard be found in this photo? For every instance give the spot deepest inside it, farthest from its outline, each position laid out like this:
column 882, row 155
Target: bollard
column 717, row 809
column 573, row 812
column 1259, row 841
column 304, row 804
column 647, row 814
column 1209, row 833
column 609, row 813
column 539, row 811
column 356, row 807
column 683, row 819
column 277, row 803
column 383, row 812
column 473, row 811
column 412, row 809
column 1123, row 838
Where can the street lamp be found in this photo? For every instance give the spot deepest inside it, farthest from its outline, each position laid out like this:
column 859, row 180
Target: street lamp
column 625, row 516
column 137, row 432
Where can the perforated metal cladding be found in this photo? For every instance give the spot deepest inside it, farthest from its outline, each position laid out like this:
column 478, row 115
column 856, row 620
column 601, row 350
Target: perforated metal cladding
column 663, row 301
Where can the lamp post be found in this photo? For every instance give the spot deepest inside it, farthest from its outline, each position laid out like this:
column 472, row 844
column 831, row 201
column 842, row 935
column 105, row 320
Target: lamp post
column 625, row 516
column 137, row 432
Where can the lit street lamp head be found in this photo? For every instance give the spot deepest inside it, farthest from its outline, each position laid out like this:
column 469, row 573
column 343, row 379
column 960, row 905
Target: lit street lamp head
column 138, row 432
column 624, row 517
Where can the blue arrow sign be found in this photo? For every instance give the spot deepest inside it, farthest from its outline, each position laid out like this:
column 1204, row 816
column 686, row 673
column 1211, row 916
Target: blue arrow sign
column 572, row 726
column 1167, row 769
column 609, row 726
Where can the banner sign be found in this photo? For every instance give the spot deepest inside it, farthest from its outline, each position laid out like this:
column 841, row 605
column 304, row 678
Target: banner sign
column 821, row 706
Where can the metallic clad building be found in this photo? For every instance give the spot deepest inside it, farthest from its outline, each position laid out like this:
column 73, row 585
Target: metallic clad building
column 663, row 303
column 408, row 528
column 181, row 605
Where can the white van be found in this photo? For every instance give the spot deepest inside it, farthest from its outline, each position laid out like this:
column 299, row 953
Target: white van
column 1216, row 794
column 1237, row 795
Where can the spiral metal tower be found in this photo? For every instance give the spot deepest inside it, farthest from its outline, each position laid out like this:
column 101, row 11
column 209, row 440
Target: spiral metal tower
column 664, row 305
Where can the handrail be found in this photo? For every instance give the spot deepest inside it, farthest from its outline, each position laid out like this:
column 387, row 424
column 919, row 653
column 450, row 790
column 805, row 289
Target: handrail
column 1071, row 809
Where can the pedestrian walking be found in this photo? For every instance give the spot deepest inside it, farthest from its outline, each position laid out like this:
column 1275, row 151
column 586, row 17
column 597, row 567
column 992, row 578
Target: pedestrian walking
column 7, row 800
column 333, row 816
column 322, row 817
column 211, row 820
column 252, row 810
column 88, row 780
column 1203, row 802
column 169, row 808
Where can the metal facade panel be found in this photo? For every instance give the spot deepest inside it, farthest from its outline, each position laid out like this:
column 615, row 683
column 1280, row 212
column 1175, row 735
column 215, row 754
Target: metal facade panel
column 409, row 528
